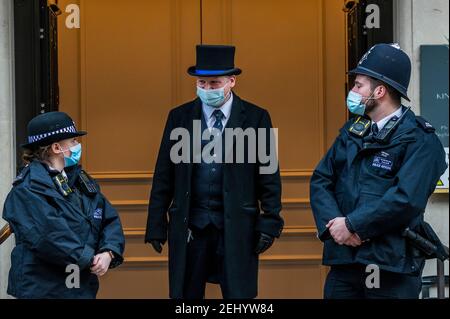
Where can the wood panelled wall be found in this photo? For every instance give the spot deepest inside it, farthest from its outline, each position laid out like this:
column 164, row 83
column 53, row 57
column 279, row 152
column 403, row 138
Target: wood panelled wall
column 125, row 68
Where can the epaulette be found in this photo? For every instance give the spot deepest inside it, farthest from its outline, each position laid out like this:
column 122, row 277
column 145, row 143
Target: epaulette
column 20, row 178
column 425, row 125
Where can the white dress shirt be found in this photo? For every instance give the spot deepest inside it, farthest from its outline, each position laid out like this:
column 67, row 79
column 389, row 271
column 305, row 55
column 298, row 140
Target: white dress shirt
column 209, row 110
column 383, row 122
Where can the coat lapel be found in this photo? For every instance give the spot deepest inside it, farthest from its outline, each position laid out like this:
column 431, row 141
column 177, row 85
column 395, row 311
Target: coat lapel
column 41, row 182
column 354, row 146
column 237, row 116
column 195, row 114
column 237, row 119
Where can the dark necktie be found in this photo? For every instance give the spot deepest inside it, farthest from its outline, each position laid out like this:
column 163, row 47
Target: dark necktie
column 375, row 129
column 218, row 114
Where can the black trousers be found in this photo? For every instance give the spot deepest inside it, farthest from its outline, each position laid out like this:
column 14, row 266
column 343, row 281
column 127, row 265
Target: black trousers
column 349, row 282
column 204, row 262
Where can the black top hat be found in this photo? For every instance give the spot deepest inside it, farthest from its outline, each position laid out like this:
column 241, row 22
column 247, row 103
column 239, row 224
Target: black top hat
column 214, row 60
column 49, row 128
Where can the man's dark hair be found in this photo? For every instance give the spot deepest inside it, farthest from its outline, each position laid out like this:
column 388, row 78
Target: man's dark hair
column 393, row 93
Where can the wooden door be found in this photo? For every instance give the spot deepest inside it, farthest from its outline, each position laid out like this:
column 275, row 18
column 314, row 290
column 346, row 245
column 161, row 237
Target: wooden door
column 125, row 68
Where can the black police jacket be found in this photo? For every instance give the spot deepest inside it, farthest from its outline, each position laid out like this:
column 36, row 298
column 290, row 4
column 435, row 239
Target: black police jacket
column 381, row 188
column 58, row 235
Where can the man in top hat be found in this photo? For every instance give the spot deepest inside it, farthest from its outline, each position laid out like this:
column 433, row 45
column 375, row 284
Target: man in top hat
column 375, row 182
column 209, row 210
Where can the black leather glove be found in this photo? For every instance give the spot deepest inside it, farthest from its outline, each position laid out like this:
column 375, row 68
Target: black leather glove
column 264, row 243
column 157, row 245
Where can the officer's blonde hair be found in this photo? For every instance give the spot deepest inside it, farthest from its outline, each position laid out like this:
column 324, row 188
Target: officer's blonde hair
column 40, row 153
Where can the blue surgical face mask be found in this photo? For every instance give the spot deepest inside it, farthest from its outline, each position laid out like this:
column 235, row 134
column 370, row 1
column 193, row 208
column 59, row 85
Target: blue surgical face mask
column 214, row 98
column 75, row 156
column 354, row 103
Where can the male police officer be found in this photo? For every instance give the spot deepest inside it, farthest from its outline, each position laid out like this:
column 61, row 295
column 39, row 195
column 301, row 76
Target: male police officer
column 374, row 182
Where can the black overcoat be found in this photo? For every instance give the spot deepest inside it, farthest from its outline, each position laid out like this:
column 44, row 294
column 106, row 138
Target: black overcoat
column 252, row 201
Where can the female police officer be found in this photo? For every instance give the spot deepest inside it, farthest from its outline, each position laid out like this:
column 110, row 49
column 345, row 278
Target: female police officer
column 67, row 233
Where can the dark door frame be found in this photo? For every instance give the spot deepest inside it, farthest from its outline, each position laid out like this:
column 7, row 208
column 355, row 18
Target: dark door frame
column 36, row 68
column 359, row 38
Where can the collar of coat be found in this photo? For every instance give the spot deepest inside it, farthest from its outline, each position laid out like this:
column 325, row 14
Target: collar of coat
column 41, row 178
column 405, row 132
column 237, row 116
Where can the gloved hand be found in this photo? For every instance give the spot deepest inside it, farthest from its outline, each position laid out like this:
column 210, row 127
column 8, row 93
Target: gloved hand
column 157, row 245
column 264, row 243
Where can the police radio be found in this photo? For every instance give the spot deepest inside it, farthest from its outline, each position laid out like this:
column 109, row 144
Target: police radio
column 385, row 133
column 87, row 184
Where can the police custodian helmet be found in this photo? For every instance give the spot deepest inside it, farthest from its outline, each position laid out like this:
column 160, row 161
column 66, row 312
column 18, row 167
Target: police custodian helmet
column 389, row 64
column 51, row 127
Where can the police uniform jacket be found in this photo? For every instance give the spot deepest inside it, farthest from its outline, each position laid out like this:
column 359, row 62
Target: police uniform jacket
column 382, row 188
column 58, row 235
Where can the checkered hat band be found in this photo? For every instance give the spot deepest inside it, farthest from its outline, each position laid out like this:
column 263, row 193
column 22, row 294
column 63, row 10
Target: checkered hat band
column 37, row 138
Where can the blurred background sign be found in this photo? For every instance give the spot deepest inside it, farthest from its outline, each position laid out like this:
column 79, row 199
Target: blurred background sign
column 434, row 94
